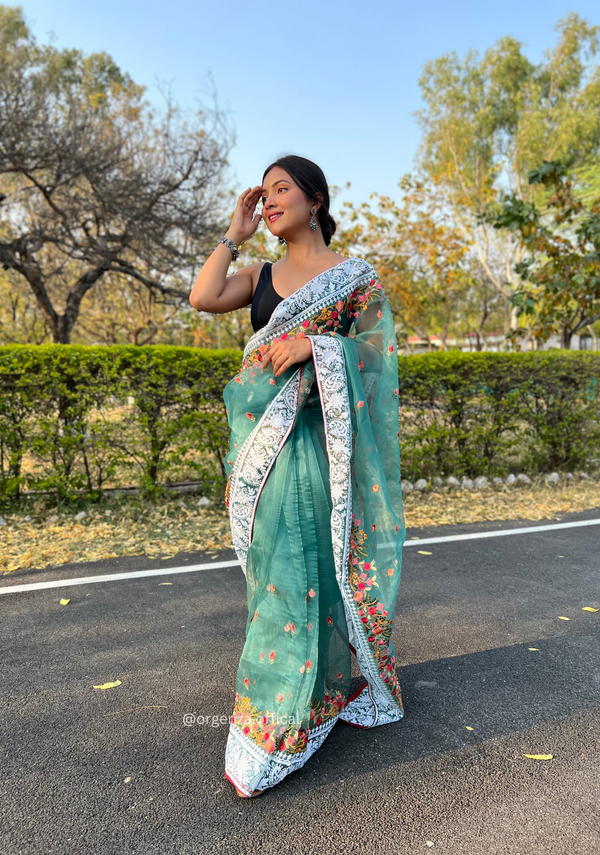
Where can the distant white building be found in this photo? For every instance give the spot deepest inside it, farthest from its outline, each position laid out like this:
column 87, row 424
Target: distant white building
column 492, row 342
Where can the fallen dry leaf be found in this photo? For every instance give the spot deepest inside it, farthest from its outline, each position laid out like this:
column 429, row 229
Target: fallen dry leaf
column 108, row 685
column 588, row 609
column 168, row 528
column 539, row 756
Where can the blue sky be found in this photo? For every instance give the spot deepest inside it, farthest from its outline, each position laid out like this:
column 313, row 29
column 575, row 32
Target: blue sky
column 335, row 82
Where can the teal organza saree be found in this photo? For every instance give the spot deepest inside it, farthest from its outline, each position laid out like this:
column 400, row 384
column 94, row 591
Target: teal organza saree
column 316, row 517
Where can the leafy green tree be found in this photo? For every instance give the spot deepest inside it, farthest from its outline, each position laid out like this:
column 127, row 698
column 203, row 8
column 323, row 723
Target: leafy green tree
column 559, row 272
column 489, row 120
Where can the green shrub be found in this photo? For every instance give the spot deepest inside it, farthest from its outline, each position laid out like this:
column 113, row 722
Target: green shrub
column 78, row 416
column 485, row 413
column 76, row 419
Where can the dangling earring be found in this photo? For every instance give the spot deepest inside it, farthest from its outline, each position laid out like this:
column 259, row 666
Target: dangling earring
column 313, row 223
column 281, row 240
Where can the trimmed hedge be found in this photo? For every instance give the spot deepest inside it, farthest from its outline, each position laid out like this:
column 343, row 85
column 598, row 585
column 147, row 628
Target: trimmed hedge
column 487, row 413
column 76, row 419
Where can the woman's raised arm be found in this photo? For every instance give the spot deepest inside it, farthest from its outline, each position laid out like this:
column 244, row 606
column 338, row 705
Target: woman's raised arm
column 214, row 291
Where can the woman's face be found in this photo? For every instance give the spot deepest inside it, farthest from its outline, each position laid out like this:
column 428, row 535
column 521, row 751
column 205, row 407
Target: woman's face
column 285, row 207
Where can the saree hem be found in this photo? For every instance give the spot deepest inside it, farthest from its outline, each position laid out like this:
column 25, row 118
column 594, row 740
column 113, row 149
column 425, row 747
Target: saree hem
column 251, row 768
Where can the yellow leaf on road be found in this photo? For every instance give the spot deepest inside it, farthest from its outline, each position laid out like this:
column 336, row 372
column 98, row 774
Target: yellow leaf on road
column 561, row 617
column 64, row 602
column 422, row 552
column 165, row 583
column 533, row 648
column 468, row 728
column 108, row 685
column 589, row 609
column 539, row 756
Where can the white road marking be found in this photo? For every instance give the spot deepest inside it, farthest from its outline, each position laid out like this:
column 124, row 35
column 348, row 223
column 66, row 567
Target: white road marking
column 221, row 565
column 502, row 533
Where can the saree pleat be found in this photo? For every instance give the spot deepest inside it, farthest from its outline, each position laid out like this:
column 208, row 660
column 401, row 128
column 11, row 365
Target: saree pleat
column 316, row 514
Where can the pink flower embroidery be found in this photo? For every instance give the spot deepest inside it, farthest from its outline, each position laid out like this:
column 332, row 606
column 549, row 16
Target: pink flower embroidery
column 305, row 324
column 361, row 364
column 390, row 572
column 272, row 655
column 272, row 381
column 360, row 404
column 367, row 565
column 311, row 593
column 251, row 417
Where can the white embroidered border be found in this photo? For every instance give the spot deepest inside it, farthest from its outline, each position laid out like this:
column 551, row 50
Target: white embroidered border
column 255, row 460
column 326, row 288
column 253, row 769
column 330, row 371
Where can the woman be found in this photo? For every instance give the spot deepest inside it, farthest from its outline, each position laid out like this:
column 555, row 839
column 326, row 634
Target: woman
column 314, row 480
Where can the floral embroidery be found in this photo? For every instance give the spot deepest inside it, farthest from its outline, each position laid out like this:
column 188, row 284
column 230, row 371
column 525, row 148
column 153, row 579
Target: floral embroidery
column 362, row 577
column 265, row 730
column 364, row 295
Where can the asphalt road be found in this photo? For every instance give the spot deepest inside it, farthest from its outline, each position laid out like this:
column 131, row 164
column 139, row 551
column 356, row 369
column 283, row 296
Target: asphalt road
column 116, row 771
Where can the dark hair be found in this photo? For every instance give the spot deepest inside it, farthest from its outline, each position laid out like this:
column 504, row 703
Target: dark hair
column 311, row 180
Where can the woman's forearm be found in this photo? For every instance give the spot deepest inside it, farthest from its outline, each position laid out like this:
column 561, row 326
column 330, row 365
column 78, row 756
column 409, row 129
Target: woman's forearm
column 210, row 282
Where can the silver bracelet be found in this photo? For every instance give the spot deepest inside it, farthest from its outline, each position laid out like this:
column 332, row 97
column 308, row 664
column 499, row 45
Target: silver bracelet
column 230, row 244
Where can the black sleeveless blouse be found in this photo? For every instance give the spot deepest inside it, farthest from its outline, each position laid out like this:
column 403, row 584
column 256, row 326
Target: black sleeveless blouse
column 265, row 299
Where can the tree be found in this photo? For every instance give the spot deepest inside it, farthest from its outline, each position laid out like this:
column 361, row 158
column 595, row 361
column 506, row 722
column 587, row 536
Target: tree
column 424, row 260
column 488, row 121
column 92, row 183
column 560, row 270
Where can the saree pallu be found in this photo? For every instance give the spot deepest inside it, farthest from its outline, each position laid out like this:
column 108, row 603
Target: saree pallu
column 316, row 516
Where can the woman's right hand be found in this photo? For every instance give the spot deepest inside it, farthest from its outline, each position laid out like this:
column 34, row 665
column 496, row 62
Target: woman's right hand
column 244, row 223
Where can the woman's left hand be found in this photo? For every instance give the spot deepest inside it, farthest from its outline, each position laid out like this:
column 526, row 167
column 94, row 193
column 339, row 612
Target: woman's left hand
column 282, row 354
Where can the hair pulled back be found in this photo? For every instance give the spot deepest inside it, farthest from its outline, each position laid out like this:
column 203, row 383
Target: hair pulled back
column 311, row 180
